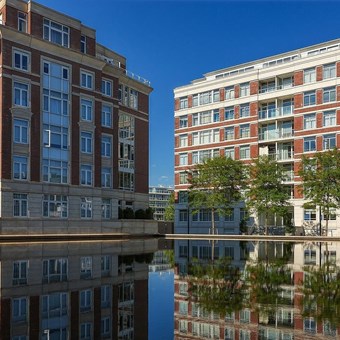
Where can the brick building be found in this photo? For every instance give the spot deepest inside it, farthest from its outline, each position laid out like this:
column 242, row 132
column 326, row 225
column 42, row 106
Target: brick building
column 284, row 106
column 74, row 124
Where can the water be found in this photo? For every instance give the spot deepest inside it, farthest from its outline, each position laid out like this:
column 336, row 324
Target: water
column 159, row 290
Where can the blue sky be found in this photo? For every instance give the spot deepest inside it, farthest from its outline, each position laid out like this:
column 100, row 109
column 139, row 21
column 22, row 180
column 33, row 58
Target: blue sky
column 171, row 43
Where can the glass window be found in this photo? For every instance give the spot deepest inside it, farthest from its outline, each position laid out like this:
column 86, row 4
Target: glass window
column 329, row 118
column 183, row 102
column 56, row 33
column 55, row 171
column 195, row 100
column 229, row 152
column 106, row 177
column 183, row 215
column 86, row 331
column 183, row 140
column 105, row 265
column 231, row 216
column 205, row 98
column 105, row 296
column 244, row 131
column 19, row 309
column 21, row 60
column 55, row 206
column 309, row 98
column 20, row 94
column 329, row 142
column 86, row 267
column 86, row 174
column 229, row 113
column 244, row 89
column 216, row 95
column 183, row 197
column 106, row 146
column 105, row 328
column 20, row 272
column 309, row 215
column 134, row 99
column 329, row 71
column 183, row 178
column 54, row 305
column 229, row 93
column 229, row 133
column 183, row 122
column 309, row 121
column 106, row 116
column 86, row 80
column 107, row 87
column 86, row 207
column 106, row 208
column 309, row 75
column 22, row 22
column 85, row 300
column 20, row 167
column 244, row 110
column 86, row 142
column 55, row 270
column 216, row 115
column 329, row 94
column 309, row 144
column 20, row 127
column 20, row 204
column 183, row 159
column 244, row 152
column 86, row 109
column 83, row 44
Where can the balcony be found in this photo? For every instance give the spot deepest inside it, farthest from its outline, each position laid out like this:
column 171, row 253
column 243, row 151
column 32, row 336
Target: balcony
column 275, row 134
column 282, row 156
column 289, row 176
column 276, row 112
column 272, row 88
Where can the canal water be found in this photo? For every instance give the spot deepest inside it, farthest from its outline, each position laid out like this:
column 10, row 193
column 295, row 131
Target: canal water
column 160, row 289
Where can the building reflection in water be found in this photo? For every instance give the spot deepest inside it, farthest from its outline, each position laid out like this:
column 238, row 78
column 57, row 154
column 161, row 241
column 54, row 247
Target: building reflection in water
column 256, row 290
column 96, row 290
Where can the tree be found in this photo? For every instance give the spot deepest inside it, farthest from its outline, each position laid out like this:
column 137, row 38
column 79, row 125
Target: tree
column 169, row 214
column 217, row 185
column 321, row 181
column 267, row 194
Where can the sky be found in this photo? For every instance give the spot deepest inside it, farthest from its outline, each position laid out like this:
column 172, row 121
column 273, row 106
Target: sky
column 171, row 43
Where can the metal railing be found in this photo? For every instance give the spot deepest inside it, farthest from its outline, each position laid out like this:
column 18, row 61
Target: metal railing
column 276, row 112
column 275, row 134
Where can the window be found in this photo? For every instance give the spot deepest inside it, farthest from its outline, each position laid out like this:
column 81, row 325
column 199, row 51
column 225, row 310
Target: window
column 21, row 60
column 86, row 174
column 183, row 197
column 105, row 296
column 55, row 171
column 183, row 140
column 216, row 95
column 309, row 144
column 86, row 207
column 183, row 122
column 309, row 98
column 329, row 142
column 245, row 316
column 86, row 142
column 106, row 208
column 85, row 300
column 183, row 215
column 244, row 152
column 244, row 131
column 205, row 98
column 309, row 121
column 86, row 109
column 107, row 87
column 244, row 334
column 20, row 167
column 331, row 216
column 20, row 272
column 20, row 94
column 244, row 89
column 329, row 71
column 229, row 216
column 329, row 118
column 309, row 215
column 229, row 92
column 85, row 267
column 105, row 265
column 183, row 326
column 229, row 252
column 309, row 75
column 20, row 127
column 54, row 270
column 229, row 334
column 86, row 80
column 183, row 102
column 56, row 33
column 195, row 100
column 106, row 146
column 329, row 94
column 106, row 116
column 183, row 307
column 54, row 305
column 229, row 133
column 19, row 309
column 216, row 115
column 229, row 113
column 229, row 152
column 86, row 331
column 183, row 178
column 309, row 325
column 205, row 117
column 20, row 203
column 83, row 44
column 244, row 110
column 22, row 22
column 183, row 159
column 55, row 206
column 105, row 326
column 195, row 119
column 134, row 99
column 106, row 177
column 183, row 289
column 55, row 137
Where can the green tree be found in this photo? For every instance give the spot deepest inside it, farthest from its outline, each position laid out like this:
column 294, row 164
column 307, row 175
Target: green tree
column 217, row 185
column 321, row 181
column 267, row 195
column 169, row 214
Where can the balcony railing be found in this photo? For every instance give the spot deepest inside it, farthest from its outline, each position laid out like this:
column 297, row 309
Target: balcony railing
column 289, row 176
column 276, row 112
column 275, row 134
column 282, row 156
column 268, row 89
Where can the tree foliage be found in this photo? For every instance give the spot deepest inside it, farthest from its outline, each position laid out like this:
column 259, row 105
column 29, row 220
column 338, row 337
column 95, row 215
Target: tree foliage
column 266, row 192
column 169, row 214
column 321, row 180
column 217, row 185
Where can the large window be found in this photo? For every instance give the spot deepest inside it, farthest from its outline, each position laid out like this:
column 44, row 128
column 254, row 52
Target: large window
column 86, row 142
column 86, row 174
column 86, row 207
column 22, row 22
column 85, row 300
column 244, row 110
column 329, row 71
column 86, row 80
column 107, row 87
column 106, row 115
column 20, row 130
column 309, row 75
column 244, row 131
column 329, row 141
column 229, row 152
column 55, row 136
column 19, row 309
column 309, row 215
column 20, row 272
column 55, row 270
column 86, row 331
column 183, row 122
column 229, row 133
column 229, row 92
column 54, row 305
column 20, row 167
column 229, row 113
column 20, row 204
column 183, row 159
column 106, row 208
column 106, row 146
column 183, row 140
column 56, row 33
column 183, row 102
column 244, row 152
column 309, row 98
column 86, row 109
column 309, row 144
column 105, row 296
column 329, row 94
column 20, row 60
column 329, row 118
column 55, row 206
column 309, row 121
column 55, row 171
column 20, row 94
column 106, row 177
column 244, row 89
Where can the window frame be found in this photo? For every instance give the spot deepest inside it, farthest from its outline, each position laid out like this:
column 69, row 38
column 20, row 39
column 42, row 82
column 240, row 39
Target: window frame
column 86, row 79
column 22, row 55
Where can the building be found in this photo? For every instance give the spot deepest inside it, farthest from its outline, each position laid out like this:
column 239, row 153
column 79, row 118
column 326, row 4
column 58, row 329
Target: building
column 284, row 106
column 158, row 200
column 74, row 125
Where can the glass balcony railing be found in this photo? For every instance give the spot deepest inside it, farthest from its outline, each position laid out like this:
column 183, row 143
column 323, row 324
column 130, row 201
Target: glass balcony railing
column 275, row 134
column 282, row 156
column 289, row 176
column 276, row 112
column 272, row 88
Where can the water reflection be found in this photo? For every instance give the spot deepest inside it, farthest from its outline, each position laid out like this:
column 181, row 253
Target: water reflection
column 96, row 290
column 256, row 290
